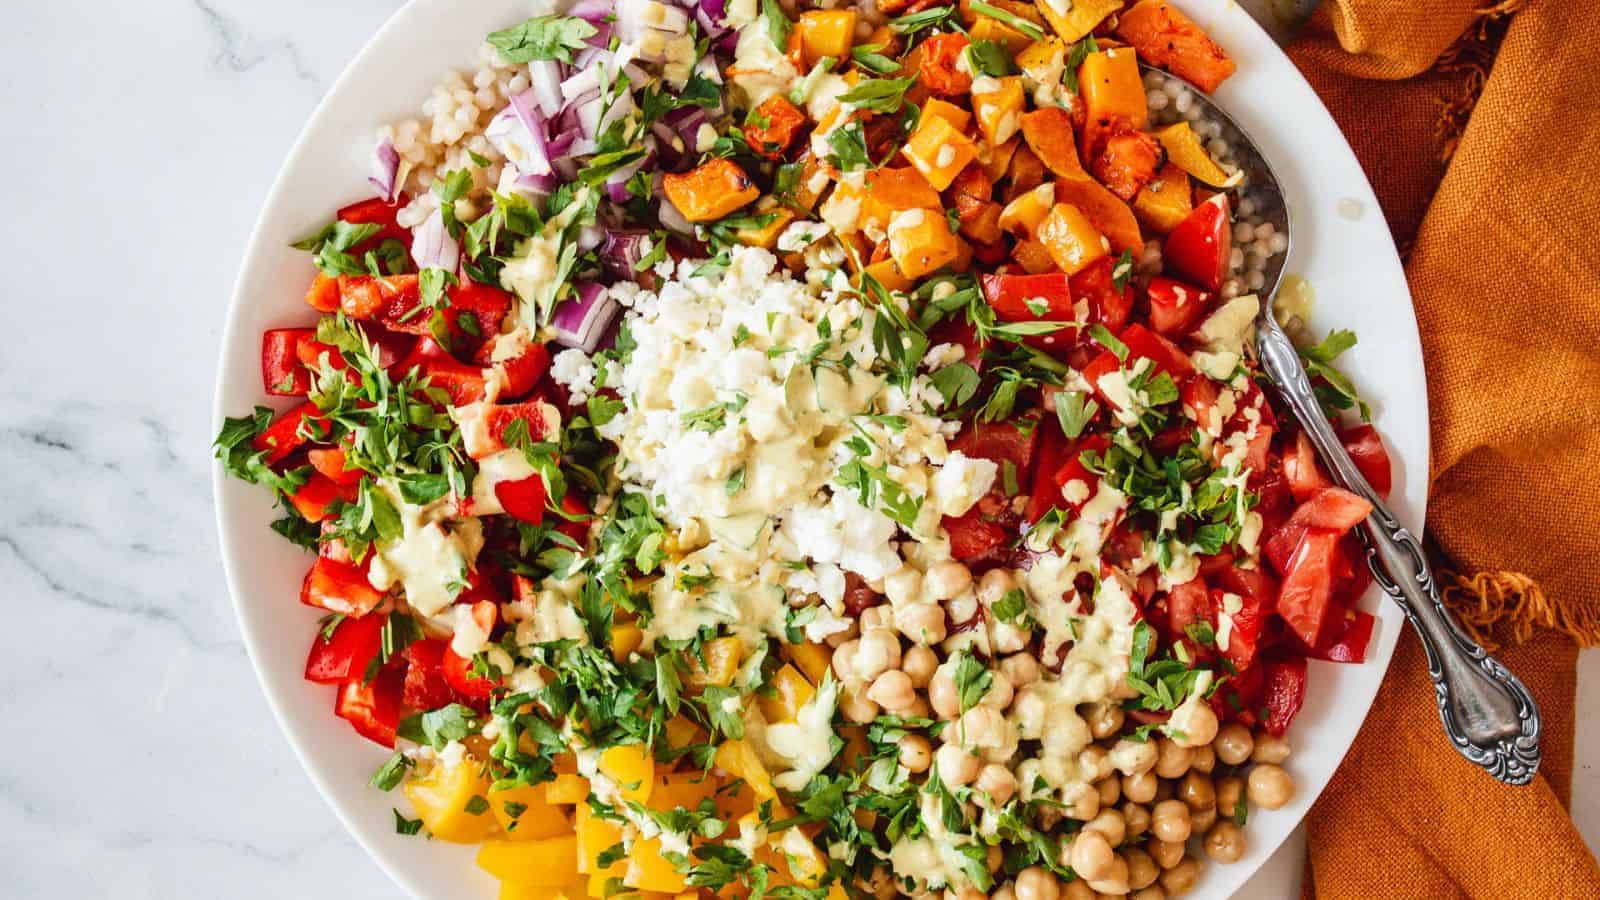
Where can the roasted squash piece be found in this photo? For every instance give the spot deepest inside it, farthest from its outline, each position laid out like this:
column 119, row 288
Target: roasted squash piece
column 826, row 32
column 1023, row 215
column 1033, row 257
column 1167, row 38
column 889, row 191
column 1112, row 217
column 1020, row 8
column 1071, row 239
column 1184, row 148
column 1049, row 133
column 714, row 190
column 1112, row 88
column 1165, row 201
column 944, row 109
column 1000, row 110
column 1128, row 160
column 939, row 151
column 765, row 236
column 920, row 242
column 988, row 28
column 1071, row 21
column 996, row 160
column 939, row 68
column 1026, row 173
column 774, row 126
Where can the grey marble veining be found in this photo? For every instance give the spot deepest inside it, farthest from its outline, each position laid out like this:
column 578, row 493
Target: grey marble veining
column 138, row 757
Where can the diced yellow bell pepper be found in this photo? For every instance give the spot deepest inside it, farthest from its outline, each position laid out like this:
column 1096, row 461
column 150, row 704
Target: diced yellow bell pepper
column 997, row 159
column 806, row 863
column 566, row 790
column 1071, row 239
column 988, row 28
column 1000, row 111
column 626, row 637
column 516, row 890
column 549, row 862
column 939, row 151
column 1023, row 215
column 1184, row 149
column 594, row 836
column 791, row 691
column 920, row 241
column 739, row 759
column 682, row 732
column 525, row 813
column 812, row 659
column 1112, row 89
column 720, row 664
column 827, row 32
column 685, row 791
column 649, row 869
column 766, row 236
column 442, row 796
column 1165, row 201
column 948, row 111
column 632, row 768
column 1080, row 17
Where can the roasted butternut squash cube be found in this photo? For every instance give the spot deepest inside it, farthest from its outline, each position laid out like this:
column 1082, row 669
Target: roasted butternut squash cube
column 1071, row 239
column 999, row 111
column 708, row 193
column 889, row 191
column 1112, row 89
column 1023, row 215
column 551, row 862
column 996, row 160
column 948, row 111
column 441, row 799
column 1185, row 149
column 827, row 32
column 739, row 759
column 939, row 151
column 766, row 236
column 791, row 691
column 988, row 28
column 1041, row 55
column 1112, row 217
column 982, row 224
column 889, row 275
column 1049, row 134
column 1074, row 20
column 1166, row 201
column 920, row 241
column 719, row 664
column 1033, row 257
column 525, row 813
column 566, row 790
column 626, row 637
column 1166, row 37
column 649, row 869
column 632, row 768
column 812, row 659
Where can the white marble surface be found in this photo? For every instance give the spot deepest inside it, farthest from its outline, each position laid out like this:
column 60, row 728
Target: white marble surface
column 139, row 759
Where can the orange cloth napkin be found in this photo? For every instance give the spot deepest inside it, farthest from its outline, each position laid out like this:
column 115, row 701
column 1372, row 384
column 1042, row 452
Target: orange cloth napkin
column 1480, row 129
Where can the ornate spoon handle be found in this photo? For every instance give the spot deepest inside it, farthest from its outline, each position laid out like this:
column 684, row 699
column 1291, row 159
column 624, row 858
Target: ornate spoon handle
column 1487, row 712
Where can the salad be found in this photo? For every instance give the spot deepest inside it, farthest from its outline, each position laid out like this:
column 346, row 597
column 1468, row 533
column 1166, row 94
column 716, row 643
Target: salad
column 762, row 450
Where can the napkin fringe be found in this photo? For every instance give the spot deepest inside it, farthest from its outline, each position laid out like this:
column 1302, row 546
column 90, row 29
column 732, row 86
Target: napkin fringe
column 1469, row 59
column 1491, row 603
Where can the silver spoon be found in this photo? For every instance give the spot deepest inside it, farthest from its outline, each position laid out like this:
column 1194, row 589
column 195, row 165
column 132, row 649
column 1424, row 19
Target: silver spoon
column 1487, row 712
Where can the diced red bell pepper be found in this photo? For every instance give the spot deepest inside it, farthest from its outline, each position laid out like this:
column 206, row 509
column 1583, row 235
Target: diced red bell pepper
column 425, row 686
column 475, row 689
column 521, row 372
column 1304, row 472
column 1109, row 305
column 972, row 537
column 1199, row 247
column 347, row 651
column 1053, row 451
column 282, row 374
column 1074, row 470
column 959, row 331
column 369, row 297
column 1366, row 448
column 1348, row 638
column 480, row 306
column 483, row 425
column 339, row 587
column 1142, row 343
column 1283, row 693
column 1175, row 307
column 1307, row 590
column 578, row 530
column 1010, row 295
column 283, row 436
column 381, row 214
column 464, row 383
column 523, row 499
column 1199, row 394
column 330, row 462
column 314, row 498
column 372, row 709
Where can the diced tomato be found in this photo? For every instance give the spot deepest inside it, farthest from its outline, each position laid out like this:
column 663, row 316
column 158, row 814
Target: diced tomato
column 330, row 461
column 464, row 383
column 1304, row 472
column 315, row 498
column 1244, row 630
column 1307, row 589
column 1109, row 305
column 1187, row 604
column 972, row 537
column 283, row 436
column 1198, row 248
column 1366, row 449
column 1283, row 693
column 425, row 686
column 1217, row 562
column 323, row 295
column 458, row 674
column 957, row 330
column 524, row 499
column 1332, row 509
column 347, row 651
column 1009, row 296
column 1175, row 307
column 282, row 375
column 1053, row 451
column 372, row 709
column 1199, row 394
column 1348, row 638
column 1142, row 343
column 939, row 70
column 1013, row 441
column 1074, row 470
column 381, row 214
column 1252, row 584
column 340, row 588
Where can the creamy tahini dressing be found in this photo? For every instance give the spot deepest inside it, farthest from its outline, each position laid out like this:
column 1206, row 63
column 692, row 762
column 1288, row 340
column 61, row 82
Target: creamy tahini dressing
column 431, row 558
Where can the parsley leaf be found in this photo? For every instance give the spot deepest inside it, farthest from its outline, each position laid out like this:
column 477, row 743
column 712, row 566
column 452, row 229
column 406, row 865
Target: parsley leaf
column 956, row 384
column 880, row 95
column 1074, row 410
column 543, row 37
column 778, row 23
column 972, row 680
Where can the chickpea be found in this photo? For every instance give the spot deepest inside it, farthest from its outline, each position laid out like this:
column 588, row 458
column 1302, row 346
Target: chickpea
column 1140, row 788
column 920, row 708
column 1142, row 870
column 892, row 690
column 1036, row 883
column 1172, row 758
column 1004, row 892
column 1110, row 789
column 916, row 754
column 1105, row 719
column 919, row 663
column 1133, row 757
column 1000, row 692
column 966, row 893
column 1021, row 668
column 1269, row 749
column 856, row 707
column 1095, row 762
column 1083, row 803
column 903, row 587
column 844, row 660
column 840, row 638
column 946, row 580
column 921, row 623
column 1116, row 882
column 1225, row 842
column 1153, row 892
column 942, row 694
column 995, row 584
column 1269, row 787
column 1137, row 818
column 1077, row 890
column 1166, row 853
column 1200, row 822
column 1197, row 791
column 878, row 652
column 1230, row 793
column 1111, row 824
column 1199, row 727
column 875, row 617
column 994, row 858
column 1007, row 637
column 980, row 726
column 998, row 782
column 1169, row 821
column 1090, row 855
column 1180, row 878
column 957, row 767
column 1233, row 744
column 1205, row 760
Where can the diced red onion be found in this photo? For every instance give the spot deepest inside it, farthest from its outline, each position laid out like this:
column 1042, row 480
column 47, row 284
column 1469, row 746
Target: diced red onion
column 583, row 321
column 546, row 77
column 712, row 15
column 561, row 145
column 536, row 187
column 622, row 251
column 386, row 171
column 617, row 182
column 706, row 67
column 595, row 12
column 584, row 83
column 590, row 237
column 537, row 161
column 432, row 247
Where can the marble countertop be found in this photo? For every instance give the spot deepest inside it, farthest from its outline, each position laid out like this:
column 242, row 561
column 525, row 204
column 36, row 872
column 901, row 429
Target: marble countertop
column 141, row 760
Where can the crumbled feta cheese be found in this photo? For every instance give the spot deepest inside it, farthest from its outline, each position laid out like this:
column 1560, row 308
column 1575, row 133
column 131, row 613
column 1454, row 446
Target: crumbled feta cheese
column 573, row 370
